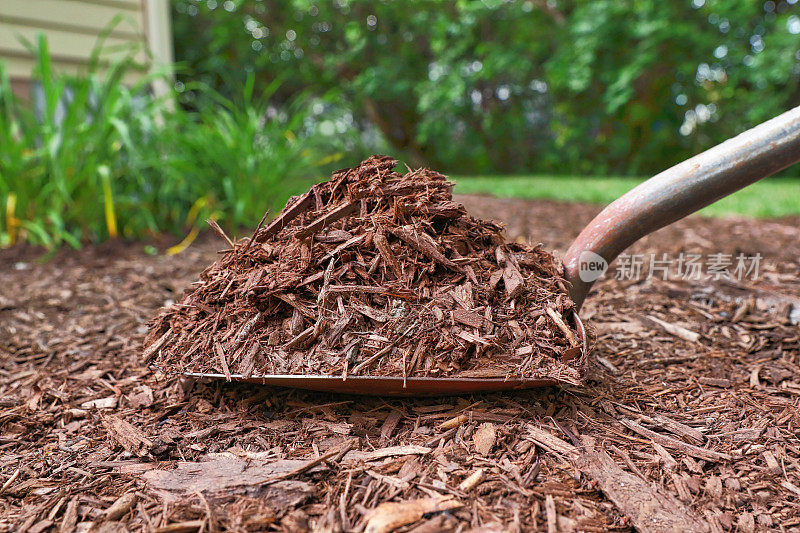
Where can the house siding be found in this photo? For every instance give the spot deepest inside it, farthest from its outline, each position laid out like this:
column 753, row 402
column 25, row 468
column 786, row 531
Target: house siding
column 72, row 28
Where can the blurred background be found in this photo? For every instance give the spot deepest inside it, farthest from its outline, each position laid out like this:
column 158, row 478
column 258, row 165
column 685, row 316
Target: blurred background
column 130, row 118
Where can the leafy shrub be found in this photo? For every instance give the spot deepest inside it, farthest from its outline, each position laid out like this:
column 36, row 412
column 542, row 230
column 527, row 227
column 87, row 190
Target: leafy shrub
column 497, row 86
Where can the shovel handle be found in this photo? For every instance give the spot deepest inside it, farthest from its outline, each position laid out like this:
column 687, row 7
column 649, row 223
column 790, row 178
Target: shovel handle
column 682, row 190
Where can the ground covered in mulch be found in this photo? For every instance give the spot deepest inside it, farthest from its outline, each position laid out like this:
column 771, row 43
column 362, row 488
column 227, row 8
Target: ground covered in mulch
column 690, row 416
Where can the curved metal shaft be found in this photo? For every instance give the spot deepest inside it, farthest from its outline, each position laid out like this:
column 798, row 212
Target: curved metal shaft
column 684, row 189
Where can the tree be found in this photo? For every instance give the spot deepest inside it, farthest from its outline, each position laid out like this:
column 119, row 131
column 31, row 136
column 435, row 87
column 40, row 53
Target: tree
column 504, row 86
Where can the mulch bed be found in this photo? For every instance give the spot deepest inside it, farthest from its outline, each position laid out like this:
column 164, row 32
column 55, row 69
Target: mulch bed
column 375, row 273
column 690, row 416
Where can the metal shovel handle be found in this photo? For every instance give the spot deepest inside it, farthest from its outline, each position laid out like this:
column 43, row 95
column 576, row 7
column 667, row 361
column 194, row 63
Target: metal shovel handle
column 682, row 190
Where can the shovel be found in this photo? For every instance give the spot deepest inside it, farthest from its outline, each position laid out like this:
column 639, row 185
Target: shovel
column 658, row 202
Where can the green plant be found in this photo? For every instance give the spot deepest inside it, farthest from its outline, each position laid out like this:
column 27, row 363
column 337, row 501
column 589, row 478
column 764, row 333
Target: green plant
column 102, row 159
column 492, row 86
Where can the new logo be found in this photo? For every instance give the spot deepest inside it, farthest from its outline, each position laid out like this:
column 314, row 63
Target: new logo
column 591, row 266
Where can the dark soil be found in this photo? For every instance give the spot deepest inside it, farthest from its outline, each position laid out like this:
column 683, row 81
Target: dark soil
column 92, row 439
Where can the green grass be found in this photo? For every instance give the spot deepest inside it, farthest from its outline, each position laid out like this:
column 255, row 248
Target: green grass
column 773, row 197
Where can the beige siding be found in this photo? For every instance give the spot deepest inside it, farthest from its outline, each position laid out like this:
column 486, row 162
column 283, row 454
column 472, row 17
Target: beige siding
column 79, row 16
column 72, row 28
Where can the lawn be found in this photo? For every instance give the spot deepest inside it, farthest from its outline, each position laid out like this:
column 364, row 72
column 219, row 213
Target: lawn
column 774, row 197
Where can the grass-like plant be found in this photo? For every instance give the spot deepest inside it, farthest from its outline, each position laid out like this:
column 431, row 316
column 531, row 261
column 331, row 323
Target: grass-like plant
column 100, row 159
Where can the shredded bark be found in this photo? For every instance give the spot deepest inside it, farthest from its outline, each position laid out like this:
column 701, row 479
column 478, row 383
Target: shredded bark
column 195, row 453
column 375, row 273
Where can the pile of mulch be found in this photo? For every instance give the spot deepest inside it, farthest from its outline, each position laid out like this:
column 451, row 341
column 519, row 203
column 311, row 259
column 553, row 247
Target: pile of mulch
column 375, row 273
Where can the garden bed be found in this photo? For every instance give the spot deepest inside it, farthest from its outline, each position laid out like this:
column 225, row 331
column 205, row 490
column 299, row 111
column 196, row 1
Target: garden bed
column 692, row 400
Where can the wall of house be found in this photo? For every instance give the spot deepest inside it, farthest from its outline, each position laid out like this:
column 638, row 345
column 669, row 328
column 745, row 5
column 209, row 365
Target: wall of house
column 72, row 28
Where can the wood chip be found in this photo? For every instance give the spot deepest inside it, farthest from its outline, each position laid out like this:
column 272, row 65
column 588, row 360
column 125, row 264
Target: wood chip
column 472, row 481
column 327, row 219
column 553, row 314
column 391, row 451
column 679, row 428
column 551, row 443
column 648, row 507
column 120, row 507
column 468, row 318
column 453, row 422
column 101, row 403
column 669, row 462
column 672, row 443
column 484, row 438
column 678, row 331
column 188, row 526
column 772, row 463
column 70, row 518
column 550, row 514
column 293, row 210
column 71, row 327
column 226, row 473
column 389, row 516
column 128, row 436
column 388, row 255
column 512, row 279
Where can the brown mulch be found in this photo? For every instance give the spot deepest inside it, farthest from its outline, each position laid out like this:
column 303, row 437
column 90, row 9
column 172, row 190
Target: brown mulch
column 690, row 415
column 377, row 273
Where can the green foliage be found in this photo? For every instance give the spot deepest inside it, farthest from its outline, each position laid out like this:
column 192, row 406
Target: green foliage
column 659, row 81
column 566, row 86
column 101, row 159
column 765, row 199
